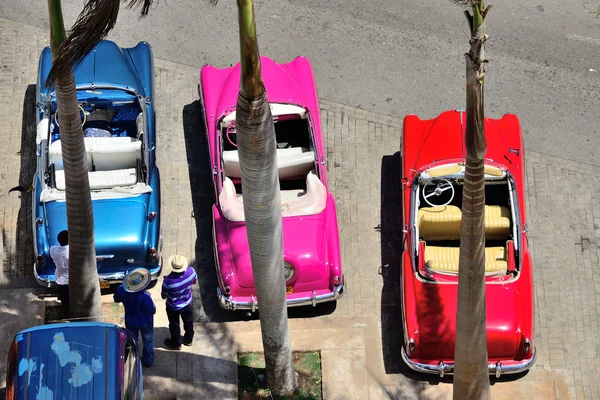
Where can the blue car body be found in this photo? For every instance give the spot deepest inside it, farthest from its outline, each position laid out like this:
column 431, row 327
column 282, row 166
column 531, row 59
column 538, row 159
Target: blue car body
column 80, row 360
column 115, row 88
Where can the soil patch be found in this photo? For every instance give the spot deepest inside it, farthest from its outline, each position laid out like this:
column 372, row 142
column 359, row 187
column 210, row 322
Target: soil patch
column 252, row 382
column 113, row 313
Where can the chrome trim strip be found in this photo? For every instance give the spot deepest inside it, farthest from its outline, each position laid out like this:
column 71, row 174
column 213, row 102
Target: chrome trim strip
column 442, row 368
column 112, row 278
column 228, row 303
column 106, row 353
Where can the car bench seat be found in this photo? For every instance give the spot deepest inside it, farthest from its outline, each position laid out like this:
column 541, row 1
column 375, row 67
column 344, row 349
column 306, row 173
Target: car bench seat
column 443, row 223
column 103, row 153
column 111, row 161
column 291, row 162
column 102, row 179
column 293, row 202
column 445, row 260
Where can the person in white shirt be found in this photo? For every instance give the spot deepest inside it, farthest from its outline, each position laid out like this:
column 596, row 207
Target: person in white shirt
column 60, row 256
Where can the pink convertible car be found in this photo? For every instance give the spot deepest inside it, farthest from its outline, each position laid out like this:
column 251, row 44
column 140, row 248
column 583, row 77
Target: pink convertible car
column 311, row 250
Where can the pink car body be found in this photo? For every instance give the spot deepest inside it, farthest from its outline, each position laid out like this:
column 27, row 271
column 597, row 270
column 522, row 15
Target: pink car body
column 310, row 232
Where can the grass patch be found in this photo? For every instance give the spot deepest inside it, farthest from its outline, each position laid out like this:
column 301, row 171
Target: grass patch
column 252, row 382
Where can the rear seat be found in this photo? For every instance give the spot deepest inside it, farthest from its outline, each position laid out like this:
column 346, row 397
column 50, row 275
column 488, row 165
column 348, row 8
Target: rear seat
column 102, row 179
column 444, row 260
column 291, row 162
column 293, row 202
column 443, row 223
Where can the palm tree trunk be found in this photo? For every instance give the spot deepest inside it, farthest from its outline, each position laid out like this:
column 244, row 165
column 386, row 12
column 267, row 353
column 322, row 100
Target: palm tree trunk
column 262, row 207
column 84, row 288
column 471, row 378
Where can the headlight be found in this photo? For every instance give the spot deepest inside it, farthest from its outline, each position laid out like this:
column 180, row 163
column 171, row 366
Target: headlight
column 289, row 271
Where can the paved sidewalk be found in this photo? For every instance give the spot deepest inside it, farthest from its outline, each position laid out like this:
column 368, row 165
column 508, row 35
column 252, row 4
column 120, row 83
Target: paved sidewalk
column 360, row 339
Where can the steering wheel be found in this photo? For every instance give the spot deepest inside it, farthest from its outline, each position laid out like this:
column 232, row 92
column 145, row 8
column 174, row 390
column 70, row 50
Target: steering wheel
column 230, row 133
column 434, row 188
column 84, row 118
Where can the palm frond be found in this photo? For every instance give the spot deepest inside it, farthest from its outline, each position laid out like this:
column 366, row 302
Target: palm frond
column 93, row 24
column 145, row 7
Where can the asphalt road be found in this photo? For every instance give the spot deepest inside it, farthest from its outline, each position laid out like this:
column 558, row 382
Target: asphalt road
column 399, row 56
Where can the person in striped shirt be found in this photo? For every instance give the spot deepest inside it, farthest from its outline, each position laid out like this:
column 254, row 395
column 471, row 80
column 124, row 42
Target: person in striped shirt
column 177, row 290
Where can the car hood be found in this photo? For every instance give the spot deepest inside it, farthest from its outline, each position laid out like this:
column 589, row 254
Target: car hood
column 106, row 64
column 436, row 316
column 442, row 138
column 304, row 245
column 119, row 230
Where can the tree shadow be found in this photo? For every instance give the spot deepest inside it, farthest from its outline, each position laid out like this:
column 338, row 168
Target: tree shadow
column 19, row 309
column 201, row 371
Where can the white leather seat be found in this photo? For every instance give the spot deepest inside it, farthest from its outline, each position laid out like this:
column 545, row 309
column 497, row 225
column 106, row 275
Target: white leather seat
column 291, row 162
column 109, row 155
column 293, row 202
column 55, row 155
column 102, row 179
column 103, row 153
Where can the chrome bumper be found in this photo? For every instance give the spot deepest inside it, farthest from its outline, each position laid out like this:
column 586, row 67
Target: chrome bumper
column 442, row 368
column 111, row 278
column 228, row 303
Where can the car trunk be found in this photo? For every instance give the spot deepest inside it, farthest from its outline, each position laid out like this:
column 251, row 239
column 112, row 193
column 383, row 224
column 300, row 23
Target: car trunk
column 120, row 227
column 436, row 315
column 304, row 245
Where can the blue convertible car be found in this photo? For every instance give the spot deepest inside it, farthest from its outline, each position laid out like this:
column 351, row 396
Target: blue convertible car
column 115, row 88
column 79, row 360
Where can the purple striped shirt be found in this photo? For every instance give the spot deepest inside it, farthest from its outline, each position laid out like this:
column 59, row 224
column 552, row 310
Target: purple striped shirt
column 177, row 288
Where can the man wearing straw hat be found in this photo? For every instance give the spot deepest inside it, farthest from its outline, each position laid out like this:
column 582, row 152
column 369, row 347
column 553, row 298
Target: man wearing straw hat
column 139, row 310
column 177, row 289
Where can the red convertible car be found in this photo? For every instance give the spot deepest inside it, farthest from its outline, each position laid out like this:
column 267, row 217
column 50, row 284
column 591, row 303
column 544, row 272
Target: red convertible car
column 433, row 154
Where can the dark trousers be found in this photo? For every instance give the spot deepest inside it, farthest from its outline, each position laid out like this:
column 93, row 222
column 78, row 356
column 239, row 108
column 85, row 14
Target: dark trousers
column 187, row 316
column 147, row 340
column 63, row 296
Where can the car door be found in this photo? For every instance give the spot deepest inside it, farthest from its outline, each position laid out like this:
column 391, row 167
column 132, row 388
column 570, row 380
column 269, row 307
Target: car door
column 131, row 372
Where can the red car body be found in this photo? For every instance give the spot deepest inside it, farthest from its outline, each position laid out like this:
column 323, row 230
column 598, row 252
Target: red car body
column 435, row 149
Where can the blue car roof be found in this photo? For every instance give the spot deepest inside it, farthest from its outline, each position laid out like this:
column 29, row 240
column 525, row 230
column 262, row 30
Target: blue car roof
column 72, row 361
column 107, row 64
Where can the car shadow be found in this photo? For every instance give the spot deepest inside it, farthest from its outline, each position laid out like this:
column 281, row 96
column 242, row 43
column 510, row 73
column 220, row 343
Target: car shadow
column 23, row 240
column 208, row 308
column 391, row 252
column 392, row 327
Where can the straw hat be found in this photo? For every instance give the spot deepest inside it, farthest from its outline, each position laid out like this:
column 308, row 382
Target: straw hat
column 178, row 262
column 137, row 280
